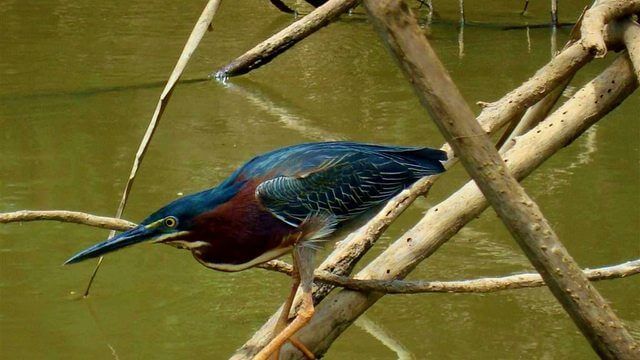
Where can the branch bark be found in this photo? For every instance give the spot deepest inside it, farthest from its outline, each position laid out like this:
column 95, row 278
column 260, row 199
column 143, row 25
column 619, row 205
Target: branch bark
column 521, row 215
column 444, row 220
column 482, row 285
column 631, row 38
column 267, row 50
column 67, row 216
column 494, row 115
column 597, row 17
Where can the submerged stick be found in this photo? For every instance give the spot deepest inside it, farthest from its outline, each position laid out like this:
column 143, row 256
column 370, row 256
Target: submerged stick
column 202, row 25
column 267, row 50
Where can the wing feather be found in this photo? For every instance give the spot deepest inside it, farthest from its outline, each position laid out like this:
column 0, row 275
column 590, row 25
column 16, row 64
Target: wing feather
column 343, row 187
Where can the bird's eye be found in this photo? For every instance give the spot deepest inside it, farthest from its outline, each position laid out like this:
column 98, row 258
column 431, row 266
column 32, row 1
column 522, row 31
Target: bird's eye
column 170, row 222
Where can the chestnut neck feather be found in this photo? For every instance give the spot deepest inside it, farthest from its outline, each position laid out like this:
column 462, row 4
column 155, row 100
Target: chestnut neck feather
column 239, row 230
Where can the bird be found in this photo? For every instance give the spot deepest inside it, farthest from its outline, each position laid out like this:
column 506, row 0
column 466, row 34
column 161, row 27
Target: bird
column 288, row 200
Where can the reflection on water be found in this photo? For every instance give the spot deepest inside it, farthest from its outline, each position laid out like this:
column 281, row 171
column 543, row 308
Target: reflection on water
column 78, row 83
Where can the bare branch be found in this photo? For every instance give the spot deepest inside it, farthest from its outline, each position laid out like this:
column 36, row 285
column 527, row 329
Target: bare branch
column 267, row 50
column 343, row 259
column 518, row 211
column 482, row 285
column 631, row 38
column 598, row 16
column 67, row 216
column 444, row 220
column 202, row 26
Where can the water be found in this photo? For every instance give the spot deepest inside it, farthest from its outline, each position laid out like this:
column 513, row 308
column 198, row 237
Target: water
column 78, row 84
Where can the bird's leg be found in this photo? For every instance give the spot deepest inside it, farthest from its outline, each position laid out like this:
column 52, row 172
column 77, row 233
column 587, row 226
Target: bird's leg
column 304, row 258
column 286, row 308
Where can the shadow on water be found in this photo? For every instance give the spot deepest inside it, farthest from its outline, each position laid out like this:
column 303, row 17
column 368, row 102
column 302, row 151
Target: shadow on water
column 100, row 90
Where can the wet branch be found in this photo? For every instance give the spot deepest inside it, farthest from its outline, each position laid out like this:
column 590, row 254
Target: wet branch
column 267, row 50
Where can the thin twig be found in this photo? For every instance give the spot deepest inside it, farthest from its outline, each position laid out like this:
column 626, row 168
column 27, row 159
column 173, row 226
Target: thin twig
column 67, row 216
column 481, row 285
column 386, row 286
column 202, row 26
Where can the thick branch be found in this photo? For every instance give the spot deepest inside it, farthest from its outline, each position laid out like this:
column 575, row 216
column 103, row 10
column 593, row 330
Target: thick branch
column 444, row 220
column 67, row 216
column 509, row 108
column 482, row 285
column 631, row 38
column 267, row 50
column 597, row 17
column 520, row 214
column 343, row 259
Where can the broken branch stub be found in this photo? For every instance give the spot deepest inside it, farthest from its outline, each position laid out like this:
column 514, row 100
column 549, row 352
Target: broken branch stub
column 597, row 17
column 67, row 216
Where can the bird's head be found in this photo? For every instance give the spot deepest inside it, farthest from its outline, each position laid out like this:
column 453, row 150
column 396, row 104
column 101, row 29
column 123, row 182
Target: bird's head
column 173, row 224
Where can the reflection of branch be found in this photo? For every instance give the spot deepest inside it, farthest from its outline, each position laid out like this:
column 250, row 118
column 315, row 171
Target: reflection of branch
column 67, row 216
column 379, row 333
column 289, row 120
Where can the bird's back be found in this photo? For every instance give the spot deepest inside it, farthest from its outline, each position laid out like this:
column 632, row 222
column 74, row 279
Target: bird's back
column 341, row 180
column 302, row 158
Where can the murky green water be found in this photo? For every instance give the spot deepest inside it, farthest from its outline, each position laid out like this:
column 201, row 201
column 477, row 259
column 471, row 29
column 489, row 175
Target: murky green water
column 79, row 81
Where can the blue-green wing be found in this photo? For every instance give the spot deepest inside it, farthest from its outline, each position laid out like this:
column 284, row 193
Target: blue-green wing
column 342, row 187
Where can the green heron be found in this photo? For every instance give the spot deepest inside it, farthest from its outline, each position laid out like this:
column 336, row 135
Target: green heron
column 282, row 201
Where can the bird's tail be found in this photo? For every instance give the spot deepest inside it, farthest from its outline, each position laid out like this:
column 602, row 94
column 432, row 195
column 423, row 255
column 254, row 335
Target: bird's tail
column 422, row 161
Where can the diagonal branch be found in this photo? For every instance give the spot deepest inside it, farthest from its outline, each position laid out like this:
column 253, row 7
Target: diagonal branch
column 267, row 50
column 519, row 213
column 445, row 219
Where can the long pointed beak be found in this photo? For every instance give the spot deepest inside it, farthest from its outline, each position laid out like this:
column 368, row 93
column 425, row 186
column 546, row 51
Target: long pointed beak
column 130, row 237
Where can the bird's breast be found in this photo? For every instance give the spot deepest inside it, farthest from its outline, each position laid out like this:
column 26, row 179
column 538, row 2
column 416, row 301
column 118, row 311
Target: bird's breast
column 240, row 234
